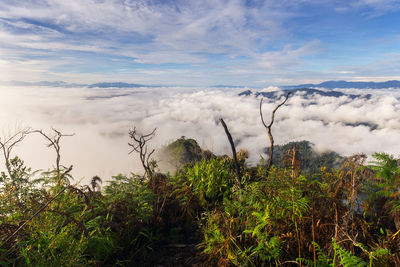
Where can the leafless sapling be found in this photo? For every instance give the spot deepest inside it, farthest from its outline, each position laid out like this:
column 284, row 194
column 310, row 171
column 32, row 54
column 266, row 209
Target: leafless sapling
column 139, row 145
column 54, row 141
column 268, row 128
column 8, row 143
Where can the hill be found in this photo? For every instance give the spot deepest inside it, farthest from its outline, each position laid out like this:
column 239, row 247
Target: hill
column 180, row 152
column 311, row 161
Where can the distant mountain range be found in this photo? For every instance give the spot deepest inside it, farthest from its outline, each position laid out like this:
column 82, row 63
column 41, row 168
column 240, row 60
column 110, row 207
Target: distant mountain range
column 49, row 84
column 345, row 84
column 118, row 85
column 310, row 90
column 227, row 86
column 69, row 85
column 327, row 85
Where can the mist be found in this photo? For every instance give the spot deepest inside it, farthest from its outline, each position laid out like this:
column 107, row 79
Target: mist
column 101, row 118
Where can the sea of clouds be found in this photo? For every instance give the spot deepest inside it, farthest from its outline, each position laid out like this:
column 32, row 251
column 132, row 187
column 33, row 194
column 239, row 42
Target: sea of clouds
column 101, row 118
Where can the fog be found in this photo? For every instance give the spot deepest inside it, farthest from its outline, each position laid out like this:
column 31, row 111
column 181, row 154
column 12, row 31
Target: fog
column 101, row 118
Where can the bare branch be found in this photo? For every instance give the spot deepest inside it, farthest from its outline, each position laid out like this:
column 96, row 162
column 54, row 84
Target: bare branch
column 268, row 127
column 9, row 143
column 54, row 141
column 140, row 146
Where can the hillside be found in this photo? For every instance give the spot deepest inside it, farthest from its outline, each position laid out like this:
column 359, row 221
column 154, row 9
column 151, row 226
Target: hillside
column 181, row 152
column 311, row 161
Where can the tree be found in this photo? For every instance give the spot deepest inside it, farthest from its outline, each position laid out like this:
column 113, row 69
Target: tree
column 54, row 141
column 235, row 160
column 268, row 128
column 8, row 143
column 139, row 145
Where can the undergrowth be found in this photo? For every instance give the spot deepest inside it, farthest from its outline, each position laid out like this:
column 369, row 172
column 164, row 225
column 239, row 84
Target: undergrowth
column 343, row 217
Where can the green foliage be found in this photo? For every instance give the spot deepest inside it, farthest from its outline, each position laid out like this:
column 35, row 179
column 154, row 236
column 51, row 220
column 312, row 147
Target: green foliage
column 380, row 257
column 248, row 230
column 311, row 161
column 346, row 258
column 133, row 195
column 182, row 151
column 210, row 181
column 277, row 218
column 129, row 203
column 322, row 260
column 387, row 169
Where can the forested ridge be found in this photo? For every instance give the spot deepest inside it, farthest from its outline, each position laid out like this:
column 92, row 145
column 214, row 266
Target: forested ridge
column 303, row 209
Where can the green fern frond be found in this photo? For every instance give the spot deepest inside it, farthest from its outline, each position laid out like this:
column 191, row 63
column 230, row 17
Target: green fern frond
column 347, row 259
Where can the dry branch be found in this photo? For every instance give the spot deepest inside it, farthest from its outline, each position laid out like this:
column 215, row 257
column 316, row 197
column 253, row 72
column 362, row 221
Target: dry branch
column 7, row 145
column 54, row 141
column 268, row 127
column 140, row 146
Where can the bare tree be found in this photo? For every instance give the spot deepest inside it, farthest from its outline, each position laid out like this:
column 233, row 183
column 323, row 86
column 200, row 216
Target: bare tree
column 268, row 128
column 8, row 143
column 139, row 145
column 54, row 141
column 235, row 160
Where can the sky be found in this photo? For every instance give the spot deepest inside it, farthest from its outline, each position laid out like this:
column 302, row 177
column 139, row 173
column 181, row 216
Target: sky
column 199, row 43
column 184, row 48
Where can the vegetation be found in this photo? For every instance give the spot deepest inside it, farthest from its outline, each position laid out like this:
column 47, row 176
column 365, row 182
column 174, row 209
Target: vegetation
column 311, row 161
column 345, row 216
column 180, row 152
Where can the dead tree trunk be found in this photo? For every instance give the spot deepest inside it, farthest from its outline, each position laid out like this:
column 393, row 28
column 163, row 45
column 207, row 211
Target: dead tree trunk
column 235, row 160
column 268, row 128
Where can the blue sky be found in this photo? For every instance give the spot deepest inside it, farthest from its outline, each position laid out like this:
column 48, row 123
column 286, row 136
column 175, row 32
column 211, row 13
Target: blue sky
column 200, row 43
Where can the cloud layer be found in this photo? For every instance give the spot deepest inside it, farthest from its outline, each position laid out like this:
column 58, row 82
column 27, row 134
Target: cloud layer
column 101, row 118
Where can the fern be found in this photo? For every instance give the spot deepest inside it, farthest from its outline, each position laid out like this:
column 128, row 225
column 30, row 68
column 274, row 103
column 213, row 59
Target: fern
column 386, row 168
column 346, row 258
column 322, row 259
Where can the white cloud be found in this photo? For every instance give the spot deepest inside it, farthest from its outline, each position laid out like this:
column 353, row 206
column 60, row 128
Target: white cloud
column 101, row 118
column 288, row 57
column 382, row 69
column 190, row 26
